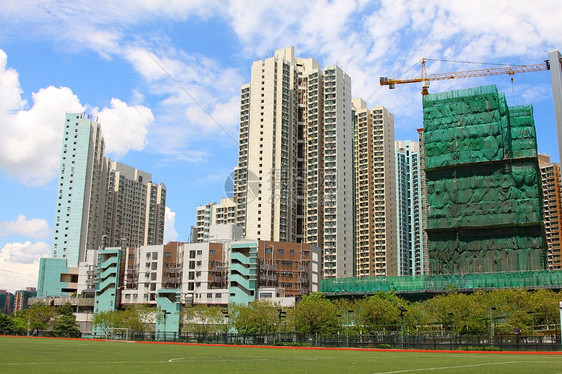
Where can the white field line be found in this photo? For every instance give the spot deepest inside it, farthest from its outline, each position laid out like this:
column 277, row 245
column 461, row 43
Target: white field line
column 451, row 367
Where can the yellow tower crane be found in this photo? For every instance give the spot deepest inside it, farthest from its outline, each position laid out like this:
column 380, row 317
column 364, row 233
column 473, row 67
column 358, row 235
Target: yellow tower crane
column 425, row 78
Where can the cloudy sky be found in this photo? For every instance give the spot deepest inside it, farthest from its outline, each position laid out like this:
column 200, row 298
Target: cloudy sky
column 163, row 77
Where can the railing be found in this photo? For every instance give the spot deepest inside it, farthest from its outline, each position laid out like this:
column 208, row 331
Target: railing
column 391, row 341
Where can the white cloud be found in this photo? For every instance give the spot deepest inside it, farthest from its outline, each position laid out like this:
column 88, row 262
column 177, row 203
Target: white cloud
column 31, row 138
column 19, row 264
column 170, row 233
column 36, row 228
column 124, row 127
column 368, row 39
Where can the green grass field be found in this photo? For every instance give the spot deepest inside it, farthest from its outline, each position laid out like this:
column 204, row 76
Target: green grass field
column 38, row 355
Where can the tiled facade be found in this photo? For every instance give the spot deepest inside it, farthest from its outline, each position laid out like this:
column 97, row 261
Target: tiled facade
column 552, row 209
column 375, row 192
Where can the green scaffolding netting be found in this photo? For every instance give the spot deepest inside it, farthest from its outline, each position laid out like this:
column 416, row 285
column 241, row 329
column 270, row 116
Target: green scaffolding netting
column 371, row 285
column 483, row 184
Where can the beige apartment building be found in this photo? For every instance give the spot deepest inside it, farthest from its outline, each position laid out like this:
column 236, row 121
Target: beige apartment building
column 213, row 214
column 294, row 180
column 375, row 192
column 552, row 209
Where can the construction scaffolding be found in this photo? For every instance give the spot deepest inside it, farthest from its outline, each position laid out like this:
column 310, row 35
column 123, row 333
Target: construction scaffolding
column 440, row 283
column 483, row 184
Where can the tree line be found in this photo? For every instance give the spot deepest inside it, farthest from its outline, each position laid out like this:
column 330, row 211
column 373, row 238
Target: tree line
column 507, row 311
column 41, row 319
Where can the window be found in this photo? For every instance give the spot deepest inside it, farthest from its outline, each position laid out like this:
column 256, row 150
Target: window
column 280, row 251
column 212, row 252
column 167, row 254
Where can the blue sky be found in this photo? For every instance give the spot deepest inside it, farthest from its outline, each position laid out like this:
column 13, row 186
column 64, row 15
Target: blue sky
column 164, row 77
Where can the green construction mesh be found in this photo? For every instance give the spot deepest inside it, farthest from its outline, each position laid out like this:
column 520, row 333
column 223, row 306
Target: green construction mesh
column 432, row 283
column 483, row 184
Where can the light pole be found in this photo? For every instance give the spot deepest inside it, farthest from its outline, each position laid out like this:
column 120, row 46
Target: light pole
column 347, row 330
column 282, row 314
column 165, row 312
column 225, row 314
column 402, row 311
column 532, row 318
column 560, row 305
column 452, row 317
column 492, row 309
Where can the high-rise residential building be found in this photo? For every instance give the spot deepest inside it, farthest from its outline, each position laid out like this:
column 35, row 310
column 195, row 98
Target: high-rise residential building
column 135, row 207
column 295, row 174
column 423, row 203
column 552, row 209
column 99, row 202
column 79, row 218
column 213, row 214
column 375, row 192
column 22, row 297
column 6, row 302
column 408, row 208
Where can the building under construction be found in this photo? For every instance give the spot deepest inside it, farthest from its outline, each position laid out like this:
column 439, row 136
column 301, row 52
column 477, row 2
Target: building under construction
column 483, row 184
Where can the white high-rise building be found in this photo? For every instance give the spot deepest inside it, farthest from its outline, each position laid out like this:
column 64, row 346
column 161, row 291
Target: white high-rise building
column 375, row 192
column 294, row 180
column 409, row 216
column 213, row 214
column 79, row 222
column 101, row 203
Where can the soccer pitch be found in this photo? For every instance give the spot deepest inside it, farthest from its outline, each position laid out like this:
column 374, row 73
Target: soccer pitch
column 42, row 355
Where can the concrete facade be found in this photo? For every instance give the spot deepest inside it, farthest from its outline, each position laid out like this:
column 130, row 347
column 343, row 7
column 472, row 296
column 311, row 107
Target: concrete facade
column 408, row 208
column 552, row 209
column 294, row 177
column 375, row 192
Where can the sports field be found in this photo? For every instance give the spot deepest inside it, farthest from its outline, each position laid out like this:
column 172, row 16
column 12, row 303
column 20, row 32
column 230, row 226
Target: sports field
column 43, row 355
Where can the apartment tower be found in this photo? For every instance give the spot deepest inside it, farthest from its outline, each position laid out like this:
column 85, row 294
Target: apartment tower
column 135, row 207
column 408, row 208
column 213, row 214
column 99, row 202
column 293, row 182
column 375, row 192
column 423, row 202
column 79, row 222
column 552, row 209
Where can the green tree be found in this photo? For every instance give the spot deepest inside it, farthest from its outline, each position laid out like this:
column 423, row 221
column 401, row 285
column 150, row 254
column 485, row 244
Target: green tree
column 7, row 325
column 65, row 323
column 315, row 314
column 40, row 317
column 258, row 317
column 203, row 319
column 544, row 312
column 136, row 317
column 376, row 314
